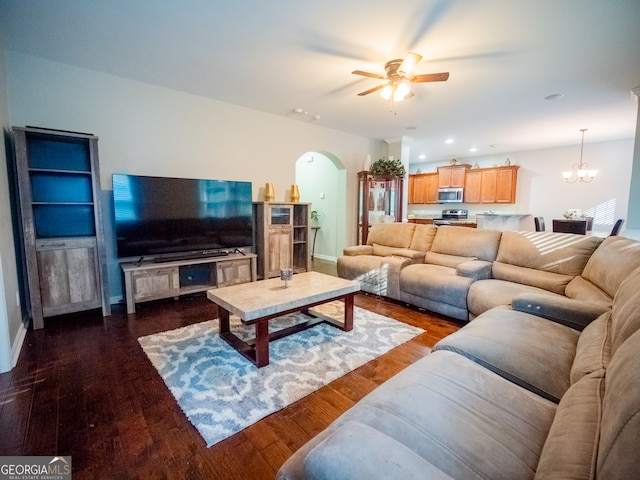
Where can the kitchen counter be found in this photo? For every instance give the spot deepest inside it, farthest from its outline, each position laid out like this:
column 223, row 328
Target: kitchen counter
column 459, row 223
column 504, row 221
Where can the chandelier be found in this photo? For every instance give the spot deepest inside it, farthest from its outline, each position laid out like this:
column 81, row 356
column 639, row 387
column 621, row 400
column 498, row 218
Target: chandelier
column 582, row 171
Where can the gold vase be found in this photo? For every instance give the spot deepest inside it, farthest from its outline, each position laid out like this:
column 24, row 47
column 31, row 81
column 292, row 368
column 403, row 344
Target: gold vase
column 269, row 192
column 295, row 193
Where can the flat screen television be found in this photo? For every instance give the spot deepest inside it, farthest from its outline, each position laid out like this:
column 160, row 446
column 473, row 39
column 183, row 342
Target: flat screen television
column 161, row 216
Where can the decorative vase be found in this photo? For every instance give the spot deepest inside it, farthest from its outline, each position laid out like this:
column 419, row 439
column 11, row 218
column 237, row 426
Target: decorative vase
column 269, row 193
column 295, row 193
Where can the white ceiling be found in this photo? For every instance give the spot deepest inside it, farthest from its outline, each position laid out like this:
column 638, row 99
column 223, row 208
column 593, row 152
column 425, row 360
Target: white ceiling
column 504, row 57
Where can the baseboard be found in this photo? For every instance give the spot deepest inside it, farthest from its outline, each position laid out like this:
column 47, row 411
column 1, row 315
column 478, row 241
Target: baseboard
column 18, row 341
column 326, row 257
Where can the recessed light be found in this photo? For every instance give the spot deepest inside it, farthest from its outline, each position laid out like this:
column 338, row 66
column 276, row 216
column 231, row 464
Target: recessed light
column 473, row 149
column 449, row 141
column 555, row 96
column 422, row 156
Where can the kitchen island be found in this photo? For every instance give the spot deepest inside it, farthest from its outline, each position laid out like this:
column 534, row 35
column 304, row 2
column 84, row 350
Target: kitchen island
column 504, row 221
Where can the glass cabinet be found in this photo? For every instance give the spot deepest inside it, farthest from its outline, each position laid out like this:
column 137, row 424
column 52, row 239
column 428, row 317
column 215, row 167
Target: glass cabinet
column 379, row 201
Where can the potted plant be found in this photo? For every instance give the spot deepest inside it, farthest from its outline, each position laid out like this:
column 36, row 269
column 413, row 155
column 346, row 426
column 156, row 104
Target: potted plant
column 384, row 167
column 315, row 218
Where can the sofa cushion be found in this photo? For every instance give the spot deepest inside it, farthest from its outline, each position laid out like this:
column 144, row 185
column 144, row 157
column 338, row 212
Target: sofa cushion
column 561, row 253
column 504, row 426
column 551, row 281
column 423, row 237
column 486, row 294
column 570, row 451
column 451, row 261
column 611, row 263
column 618, row 457
column 384, row 251
column 530, row 351
column 356, row 451
column 625, row 315
column 467, row 242
column 398, row 235
column 580, row 289
column 593, row 351
column 435, row 282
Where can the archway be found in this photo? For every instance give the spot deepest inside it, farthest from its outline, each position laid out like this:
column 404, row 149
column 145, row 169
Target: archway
column 322, row 180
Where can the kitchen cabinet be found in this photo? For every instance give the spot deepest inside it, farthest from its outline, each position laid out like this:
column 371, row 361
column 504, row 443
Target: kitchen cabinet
column 59, row 191
column 423, row 188
column 491, row 185
column 282, row 236
column 452, row 176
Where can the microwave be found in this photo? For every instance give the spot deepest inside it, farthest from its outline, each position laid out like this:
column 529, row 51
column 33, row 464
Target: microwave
column 450, row 195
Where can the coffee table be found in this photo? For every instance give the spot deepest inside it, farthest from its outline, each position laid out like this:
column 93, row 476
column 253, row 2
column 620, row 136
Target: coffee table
column 258, row 302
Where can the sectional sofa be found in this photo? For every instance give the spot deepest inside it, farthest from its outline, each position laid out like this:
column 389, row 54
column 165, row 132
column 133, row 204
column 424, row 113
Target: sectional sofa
column 462, row 272
column 542, row 383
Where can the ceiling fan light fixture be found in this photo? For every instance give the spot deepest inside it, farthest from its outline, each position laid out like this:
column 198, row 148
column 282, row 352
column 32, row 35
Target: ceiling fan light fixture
column 387, row 91
column 397, row 95
column 403, row 89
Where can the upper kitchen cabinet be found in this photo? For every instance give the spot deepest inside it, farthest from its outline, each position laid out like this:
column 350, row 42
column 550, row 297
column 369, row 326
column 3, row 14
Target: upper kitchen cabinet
column 452, row 176
column 491, row 185
column 423, row 188
column 59, row 190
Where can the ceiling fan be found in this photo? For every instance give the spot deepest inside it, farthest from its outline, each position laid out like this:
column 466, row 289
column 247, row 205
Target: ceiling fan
column 398, row 77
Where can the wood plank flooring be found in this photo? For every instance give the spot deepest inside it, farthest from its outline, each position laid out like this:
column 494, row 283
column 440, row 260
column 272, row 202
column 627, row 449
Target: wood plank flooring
column 83, row 387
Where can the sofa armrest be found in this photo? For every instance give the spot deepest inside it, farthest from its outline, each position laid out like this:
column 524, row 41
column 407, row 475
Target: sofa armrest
column 575, row 314
column 475, row 269
column 394, row 266
column 415, row 256
column 358, row 250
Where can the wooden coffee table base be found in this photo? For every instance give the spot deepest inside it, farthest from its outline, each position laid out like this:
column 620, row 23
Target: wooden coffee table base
column 257, row 350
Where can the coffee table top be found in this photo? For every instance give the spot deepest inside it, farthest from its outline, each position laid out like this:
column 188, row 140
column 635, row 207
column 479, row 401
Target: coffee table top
column 267, row 297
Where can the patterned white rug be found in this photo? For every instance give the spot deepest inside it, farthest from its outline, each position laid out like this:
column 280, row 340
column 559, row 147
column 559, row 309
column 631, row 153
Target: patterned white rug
column 222, row 393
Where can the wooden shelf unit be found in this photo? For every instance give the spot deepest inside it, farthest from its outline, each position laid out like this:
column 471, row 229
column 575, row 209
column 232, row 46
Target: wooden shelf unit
column 59, row 189
column 282, row 237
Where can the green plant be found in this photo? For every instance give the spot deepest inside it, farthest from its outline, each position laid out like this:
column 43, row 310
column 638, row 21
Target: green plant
column 388, row 167
column 315, row 215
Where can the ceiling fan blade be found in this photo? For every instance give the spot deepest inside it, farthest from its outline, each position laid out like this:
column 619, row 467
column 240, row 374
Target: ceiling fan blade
column 367, row 74
column 409, row 63
column 371, row 90
column 429, row 77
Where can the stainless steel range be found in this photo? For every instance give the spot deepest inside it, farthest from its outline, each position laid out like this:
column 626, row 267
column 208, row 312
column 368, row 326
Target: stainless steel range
column 451, row 216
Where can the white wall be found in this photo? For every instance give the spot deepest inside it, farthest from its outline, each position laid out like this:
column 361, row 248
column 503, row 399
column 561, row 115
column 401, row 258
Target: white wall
column 12, row 330
column 322, row 182
column 542, row 191
column 148, row 130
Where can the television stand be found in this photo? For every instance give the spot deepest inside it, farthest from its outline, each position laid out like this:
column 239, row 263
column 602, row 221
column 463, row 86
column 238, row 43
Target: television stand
column 153, row 280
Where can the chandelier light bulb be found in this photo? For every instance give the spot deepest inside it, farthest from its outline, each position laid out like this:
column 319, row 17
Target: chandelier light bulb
column 583, row 173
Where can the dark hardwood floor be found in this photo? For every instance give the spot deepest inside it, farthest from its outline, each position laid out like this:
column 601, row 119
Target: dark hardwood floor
column 83, row 387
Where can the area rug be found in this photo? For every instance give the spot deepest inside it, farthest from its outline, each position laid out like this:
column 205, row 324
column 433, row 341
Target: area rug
column 222, row 393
